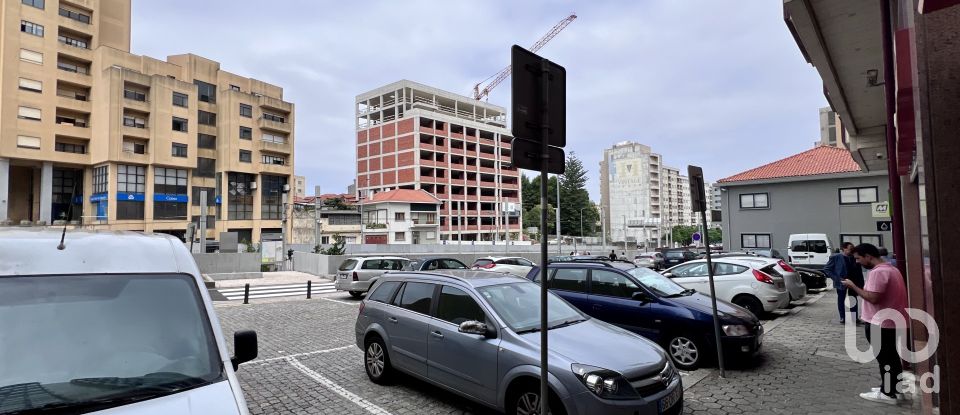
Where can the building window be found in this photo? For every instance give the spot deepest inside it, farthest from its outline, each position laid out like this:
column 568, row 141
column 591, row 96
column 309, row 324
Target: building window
column 33, row 3
column 32, row 57
column 858, row 195
column 246, row 156
column 26, row 141
column 169, row 184
column 70, row 14
column 205, row 167
column 399, row 216
column 246, row 133
column 31, row 85
column 134, row 121
column 276, row 160
column 100, row 179
column 271, row 194
column 275, row 118
column 135, row 147
column 246, row 111
column 399, row 236
column 27, row 113
column 875, row 240
column 70, row 41
column 234, row 88
column 274, row 138
column 73, row 67
column 207, row 141
column 195, row 195
column 179, row 150
column 207, row 118
column 755, row 240
column 67, row 184
column 206, row 92
column 31, row 28
column 181, row 100
column 239, row 196
column 134, row 95
column 131, row 185
column 179, row 124
column 70, row 148
column 754, row 201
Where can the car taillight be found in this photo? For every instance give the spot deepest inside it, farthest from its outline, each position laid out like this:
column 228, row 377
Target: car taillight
column 785, row 266
column 355, row 276
column 362, row 303
column 762, row 277
column 488, row 266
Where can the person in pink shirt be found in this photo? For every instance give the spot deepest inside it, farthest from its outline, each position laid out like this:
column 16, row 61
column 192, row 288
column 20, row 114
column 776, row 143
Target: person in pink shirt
column 884, row 290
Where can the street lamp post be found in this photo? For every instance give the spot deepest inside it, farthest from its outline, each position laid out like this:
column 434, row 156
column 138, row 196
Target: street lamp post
column 581, row 222
column 285, row 190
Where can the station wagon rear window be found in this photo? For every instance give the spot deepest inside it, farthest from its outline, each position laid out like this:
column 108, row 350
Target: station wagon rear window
column 348, row 265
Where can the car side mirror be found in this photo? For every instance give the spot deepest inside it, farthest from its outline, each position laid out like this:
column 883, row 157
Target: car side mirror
column 244, row 347
column 668, row 274
column 475, row 327
column 641, row 296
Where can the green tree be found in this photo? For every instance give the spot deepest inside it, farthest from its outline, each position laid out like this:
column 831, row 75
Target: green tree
column 683, row 235
column 716, row 235
column 574, row 197
column 338, row 247
column 532, row 219
column 336, row 203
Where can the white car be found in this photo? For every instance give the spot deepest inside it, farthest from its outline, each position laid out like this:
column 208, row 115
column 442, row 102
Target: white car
column 356, row 275
column 791, row 278
column 746, row 284
column 508, row 265
column 113, row 323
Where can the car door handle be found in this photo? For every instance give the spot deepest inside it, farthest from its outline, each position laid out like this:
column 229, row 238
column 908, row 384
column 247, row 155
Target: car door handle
column 437, row 334
column 392, row 320
column 597, row 307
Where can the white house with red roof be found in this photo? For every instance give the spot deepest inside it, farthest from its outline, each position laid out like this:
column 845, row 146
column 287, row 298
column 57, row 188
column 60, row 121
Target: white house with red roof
column 821, row 190
column 401, row 216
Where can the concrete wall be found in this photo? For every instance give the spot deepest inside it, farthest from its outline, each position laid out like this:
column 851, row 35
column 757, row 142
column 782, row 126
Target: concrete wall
column 810, row 206
column 227, row 263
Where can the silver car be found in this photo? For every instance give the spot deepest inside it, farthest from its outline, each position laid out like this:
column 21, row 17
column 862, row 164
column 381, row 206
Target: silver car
column 476, row 333
column 791, row 278
column 355, row 275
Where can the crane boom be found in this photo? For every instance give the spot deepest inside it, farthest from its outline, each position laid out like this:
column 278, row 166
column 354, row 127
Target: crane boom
column 505, row 72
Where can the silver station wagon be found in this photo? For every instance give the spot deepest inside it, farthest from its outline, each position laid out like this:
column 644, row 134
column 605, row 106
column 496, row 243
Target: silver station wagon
column 476, row 333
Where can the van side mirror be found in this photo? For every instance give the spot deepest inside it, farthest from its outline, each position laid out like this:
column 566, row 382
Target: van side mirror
column 244, row 347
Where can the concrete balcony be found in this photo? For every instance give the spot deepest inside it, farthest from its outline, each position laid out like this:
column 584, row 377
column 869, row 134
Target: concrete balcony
column 274, row 104
column 71, row 103
column 75, row 51
column 75, row 158
column 142, row 106
column 282, row 127
column 71, row 130
column 131, row 157
column 488, row 198
column 75, row 77
column 280, row 169
column 141, row 133
column 430, row 147
column 274, row 147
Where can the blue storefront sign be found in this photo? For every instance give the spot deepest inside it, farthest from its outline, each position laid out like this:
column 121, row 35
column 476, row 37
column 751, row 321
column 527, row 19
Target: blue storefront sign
column 217, row 200
column 98, row 197
column 130, row 197
column 170, row 198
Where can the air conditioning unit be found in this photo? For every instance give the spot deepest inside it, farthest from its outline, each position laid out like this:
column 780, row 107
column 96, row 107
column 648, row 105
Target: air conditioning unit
column 253, row 185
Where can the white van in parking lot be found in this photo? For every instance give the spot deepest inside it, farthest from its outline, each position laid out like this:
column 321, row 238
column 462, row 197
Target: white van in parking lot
column 810, row 249
column 113, row 323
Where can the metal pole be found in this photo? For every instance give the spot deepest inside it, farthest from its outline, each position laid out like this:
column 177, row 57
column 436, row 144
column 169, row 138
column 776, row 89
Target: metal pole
column 889, row 86
column 603, row 230
column 246, row 293
column 713, row 300
column 283, row 231
column 316, row 217
column 559, row 249
column 624, row 233
column 309, row 288
column 203, row 222
column 544, row 176
column 362, row 222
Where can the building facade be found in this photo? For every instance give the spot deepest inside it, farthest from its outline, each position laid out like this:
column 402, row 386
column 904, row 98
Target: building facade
column 415, row 137
column 299, row 186
column 631, row 193
column 98, row 137
column 831, row 128
column 401, row 217
column 316, row 222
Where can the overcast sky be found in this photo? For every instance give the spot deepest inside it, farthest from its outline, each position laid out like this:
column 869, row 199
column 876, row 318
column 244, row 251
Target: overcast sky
column 720, row 84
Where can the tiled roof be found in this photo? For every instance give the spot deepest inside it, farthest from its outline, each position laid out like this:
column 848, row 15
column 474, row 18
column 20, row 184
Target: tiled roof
column 816, row 161
column 309, row 200
column 404, row 195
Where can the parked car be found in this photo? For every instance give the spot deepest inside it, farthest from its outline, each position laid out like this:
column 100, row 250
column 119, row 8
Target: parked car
column 813, row 279
column 434, row 263
column 476, row 333
column 778, row 267
column 677, row 257
column 658, row 258
column 809, row 249
column 743, row 283
column 646, row 261
column 649, row 304
column 117, row 323
column 508, row 265
column 355, row 275
column 560, row 258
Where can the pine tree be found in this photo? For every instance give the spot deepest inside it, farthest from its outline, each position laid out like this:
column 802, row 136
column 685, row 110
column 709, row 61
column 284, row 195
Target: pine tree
column 574, row 197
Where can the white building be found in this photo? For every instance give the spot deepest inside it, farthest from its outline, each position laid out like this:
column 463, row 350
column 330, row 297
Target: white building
column 630, row 193
column 401, row 216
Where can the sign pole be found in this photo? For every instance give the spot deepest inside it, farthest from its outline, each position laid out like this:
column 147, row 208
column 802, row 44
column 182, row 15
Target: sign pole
column 203, row 222
column 544, row 176
column 699, row 203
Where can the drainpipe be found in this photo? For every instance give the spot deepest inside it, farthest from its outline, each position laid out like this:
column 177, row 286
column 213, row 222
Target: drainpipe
column 889, row 87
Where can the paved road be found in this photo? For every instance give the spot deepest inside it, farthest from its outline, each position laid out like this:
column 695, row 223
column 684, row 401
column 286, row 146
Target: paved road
column 308, row 364
column 280, row 290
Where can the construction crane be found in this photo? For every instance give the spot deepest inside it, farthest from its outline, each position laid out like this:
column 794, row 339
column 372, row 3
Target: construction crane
column 503, row 74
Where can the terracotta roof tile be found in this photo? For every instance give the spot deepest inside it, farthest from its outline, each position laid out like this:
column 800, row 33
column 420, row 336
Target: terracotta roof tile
column 816, row 161
column 404, row 195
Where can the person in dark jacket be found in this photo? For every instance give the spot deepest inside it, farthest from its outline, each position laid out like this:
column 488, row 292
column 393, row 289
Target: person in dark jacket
column 838, row 268
column 613, row 255
column 855, row 275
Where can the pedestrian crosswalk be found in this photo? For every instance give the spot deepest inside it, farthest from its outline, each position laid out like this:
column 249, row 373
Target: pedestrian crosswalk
column 284, row 290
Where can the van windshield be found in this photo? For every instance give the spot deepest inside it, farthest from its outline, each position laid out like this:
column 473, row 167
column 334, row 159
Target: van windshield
column 90, row 342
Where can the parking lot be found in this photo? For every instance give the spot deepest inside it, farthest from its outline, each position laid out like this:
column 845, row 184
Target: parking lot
column 308, row 364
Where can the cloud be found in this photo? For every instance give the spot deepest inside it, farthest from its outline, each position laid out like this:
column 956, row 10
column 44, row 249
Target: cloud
column 699, row 81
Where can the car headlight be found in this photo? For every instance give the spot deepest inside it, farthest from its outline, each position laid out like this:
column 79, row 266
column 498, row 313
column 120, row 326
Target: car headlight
column 736, row 330
column 604, row 383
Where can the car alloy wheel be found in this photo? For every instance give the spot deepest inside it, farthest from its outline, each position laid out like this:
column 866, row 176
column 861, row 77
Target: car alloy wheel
column 684, row 352
column 375, row 361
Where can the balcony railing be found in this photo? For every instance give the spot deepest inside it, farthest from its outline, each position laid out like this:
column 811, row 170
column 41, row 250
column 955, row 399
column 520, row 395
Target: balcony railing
column 77, row 43
column 70, row 14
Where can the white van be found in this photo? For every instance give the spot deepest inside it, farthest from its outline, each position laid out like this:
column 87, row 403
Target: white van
column 811, row 249
column 113, row 323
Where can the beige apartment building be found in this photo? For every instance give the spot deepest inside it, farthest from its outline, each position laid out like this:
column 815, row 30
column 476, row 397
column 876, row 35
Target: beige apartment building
column 98, row 137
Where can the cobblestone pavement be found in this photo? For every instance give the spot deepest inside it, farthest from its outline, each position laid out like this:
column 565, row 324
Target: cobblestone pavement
column 308, row 364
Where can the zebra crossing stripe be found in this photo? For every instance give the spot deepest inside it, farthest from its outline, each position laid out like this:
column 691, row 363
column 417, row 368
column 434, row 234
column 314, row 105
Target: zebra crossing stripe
column 272, row 291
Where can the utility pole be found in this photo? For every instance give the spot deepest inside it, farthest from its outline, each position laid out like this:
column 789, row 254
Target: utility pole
column 203, row 222
column 283, row 226
column 559, row 250
column 316, row 215
column 603, row 229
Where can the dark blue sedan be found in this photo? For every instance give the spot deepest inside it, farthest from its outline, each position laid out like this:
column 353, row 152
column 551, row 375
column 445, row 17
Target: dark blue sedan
column 647, row 303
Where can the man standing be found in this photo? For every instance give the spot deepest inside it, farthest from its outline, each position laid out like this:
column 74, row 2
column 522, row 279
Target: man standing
column 613, row 255
column 836, row 269
column 854, row 274
column 885, row 290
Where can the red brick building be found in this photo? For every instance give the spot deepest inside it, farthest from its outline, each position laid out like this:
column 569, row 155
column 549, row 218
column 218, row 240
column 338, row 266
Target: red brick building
column 412, row 136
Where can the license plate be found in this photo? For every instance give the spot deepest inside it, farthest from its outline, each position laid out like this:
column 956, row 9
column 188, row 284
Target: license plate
column 670, row 400
column 343, row 276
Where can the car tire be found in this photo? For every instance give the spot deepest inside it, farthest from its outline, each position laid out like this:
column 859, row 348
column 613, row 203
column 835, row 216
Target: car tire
column 526, row 400
column 686, row 351
column 356, row 294
column 376, row 361
column 751, row 303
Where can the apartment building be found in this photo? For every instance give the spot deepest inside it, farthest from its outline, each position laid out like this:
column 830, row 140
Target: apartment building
column 415, row 137
column 401, row 217
column 95, row 136
column 831, row 128
column 631, row 193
